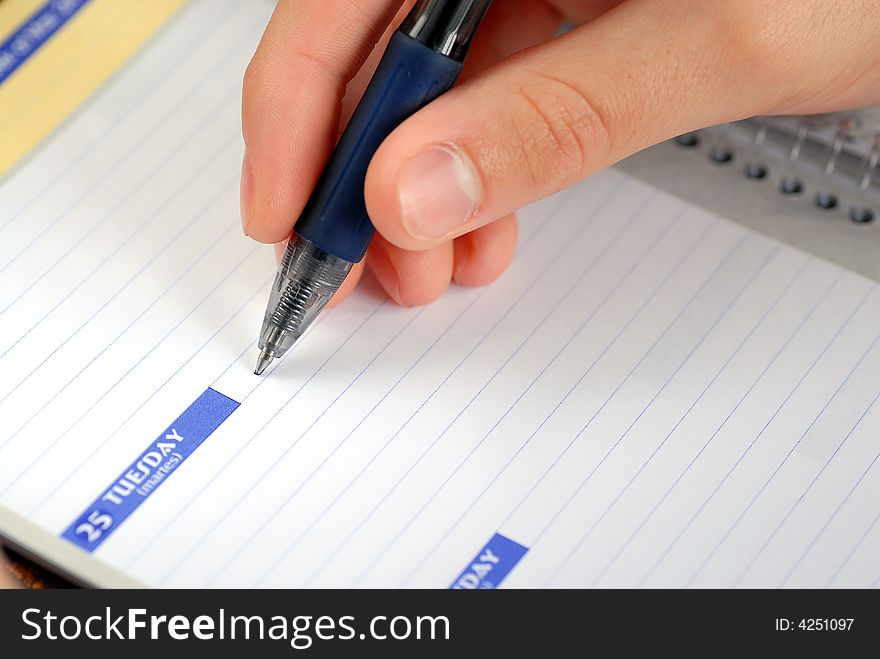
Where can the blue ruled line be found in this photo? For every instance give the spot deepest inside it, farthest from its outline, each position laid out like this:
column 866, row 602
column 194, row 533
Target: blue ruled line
column 577, row 334
column 272, row 516
column 762, row 432
column 815, row 479
column 113, row 296
column 107, row 136
column 706, row 334
column 557, row 305
column 268, row 375
column 535, row 280
column 158, row 169
column 63, row 481
column 657, row 563
column 840, row 506
column 272, row 418
column 718, row 373
column 730, row 414
column 24, row 470
column 862, row 538
column 730, row 253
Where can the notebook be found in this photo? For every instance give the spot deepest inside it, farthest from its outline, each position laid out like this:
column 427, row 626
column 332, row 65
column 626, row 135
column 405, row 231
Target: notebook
column 652, row 395
column 810, row 181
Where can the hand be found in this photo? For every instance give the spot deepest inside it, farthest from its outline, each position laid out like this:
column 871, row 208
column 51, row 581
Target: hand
column 7, row 581
column 533, row 114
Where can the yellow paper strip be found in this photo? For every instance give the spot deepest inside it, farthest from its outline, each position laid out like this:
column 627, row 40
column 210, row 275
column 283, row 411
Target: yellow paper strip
column 70, row 66
column 15, row 12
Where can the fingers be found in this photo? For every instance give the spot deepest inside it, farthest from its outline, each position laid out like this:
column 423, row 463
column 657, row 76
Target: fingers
column 351, row 281
column 416, row 278
column 411, row 278
column 536, row 123
column 483, row 254
column 478, row 258
column 549, row 116
column 291, row 103
column 508, row 28
column 581, row 11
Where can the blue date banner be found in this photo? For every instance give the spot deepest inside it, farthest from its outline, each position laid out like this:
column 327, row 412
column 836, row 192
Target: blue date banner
column 143, row 476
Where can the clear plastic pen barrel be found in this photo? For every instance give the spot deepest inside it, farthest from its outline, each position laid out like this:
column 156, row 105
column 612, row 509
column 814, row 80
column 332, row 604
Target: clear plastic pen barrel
column 306, row 280
column 423, row 59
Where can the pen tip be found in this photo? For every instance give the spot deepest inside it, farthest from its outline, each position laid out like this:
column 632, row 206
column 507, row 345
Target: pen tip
column 263, row 361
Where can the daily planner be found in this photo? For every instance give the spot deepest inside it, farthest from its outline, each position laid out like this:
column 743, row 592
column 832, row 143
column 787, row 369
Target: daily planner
column 651, row 396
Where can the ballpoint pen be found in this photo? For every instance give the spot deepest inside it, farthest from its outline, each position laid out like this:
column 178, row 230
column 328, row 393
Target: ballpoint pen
column 423, row 59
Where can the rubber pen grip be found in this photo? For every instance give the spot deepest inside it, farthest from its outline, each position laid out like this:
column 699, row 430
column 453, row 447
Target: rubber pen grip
column 409, row 76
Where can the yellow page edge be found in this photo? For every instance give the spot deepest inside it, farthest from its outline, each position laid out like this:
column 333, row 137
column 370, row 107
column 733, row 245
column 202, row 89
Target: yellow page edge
column 57, row 54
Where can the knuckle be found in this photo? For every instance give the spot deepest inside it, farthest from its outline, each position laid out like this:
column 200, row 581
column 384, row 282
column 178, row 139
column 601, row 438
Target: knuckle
column 564, row 129
column 763, row 37
column 790, row 49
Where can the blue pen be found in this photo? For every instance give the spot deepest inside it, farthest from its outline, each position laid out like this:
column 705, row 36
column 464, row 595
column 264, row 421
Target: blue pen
column 423, row 59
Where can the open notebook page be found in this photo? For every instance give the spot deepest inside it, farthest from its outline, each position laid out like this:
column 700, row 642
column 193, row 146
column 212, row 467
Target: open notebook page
column 651, row 396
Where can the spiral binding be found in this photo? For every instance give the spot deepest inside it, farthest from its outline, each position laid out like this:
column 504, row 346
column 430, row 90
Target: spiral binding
column 831, row 160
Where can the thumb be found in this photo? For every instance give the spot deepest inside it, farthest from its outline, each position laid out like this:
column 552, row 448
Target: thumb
column 549, row 116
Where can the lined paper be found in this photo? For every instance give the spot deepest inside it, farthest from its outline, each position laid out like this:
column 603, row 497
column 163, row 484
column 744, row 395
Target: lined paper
column 650, row 396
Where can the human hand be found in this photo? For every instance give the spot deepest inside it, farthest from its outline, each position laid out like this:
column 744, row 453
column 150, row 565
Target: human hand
column 533, row 114
column 7, row 581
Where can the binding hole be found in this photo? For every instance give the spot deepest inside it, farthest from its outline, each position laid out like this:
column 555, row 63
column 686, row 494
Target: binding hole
column 721, row 155
column 791, row 186
column 688, row 140
column 861, row 215
column 755, row 171
column 825, row 201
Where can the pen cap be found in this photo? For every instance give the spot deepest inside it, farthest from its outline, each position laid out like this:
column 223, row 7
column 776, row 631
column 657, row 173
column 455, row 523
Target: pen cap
column 409, row 77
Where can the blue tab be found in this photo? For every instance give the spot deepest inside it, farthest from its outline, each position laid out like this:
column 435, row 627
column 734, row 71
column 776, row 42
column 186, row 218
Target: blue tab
column 35, row 31
column 150, row 470
column 491, row 564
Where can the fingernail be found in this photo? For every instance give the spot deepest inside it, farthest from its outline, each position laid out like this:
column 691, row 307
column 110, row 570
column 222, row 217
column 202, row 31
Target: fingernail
column 437, row 191
column 247, row 190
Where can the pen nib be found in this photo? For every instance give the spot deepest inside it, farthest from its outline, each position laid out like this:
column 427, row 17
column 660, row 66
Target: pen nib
column 262, row 362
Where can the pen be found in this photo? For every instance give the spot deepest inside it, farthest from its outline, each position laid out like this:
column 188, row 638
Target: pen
column 423, row 59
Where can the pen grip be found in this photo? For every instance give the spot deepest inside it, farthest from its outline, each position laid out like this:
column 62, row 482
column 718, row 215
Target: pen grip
column 409, row 76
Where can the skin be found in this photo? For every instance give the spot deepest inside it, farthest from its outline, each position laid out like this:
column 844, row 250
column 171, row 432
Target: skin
column 7, row 581
column 534, row 113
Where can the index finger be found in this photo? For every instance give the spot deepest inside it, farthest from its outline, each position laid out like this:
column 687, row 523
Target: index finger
column 291, row 103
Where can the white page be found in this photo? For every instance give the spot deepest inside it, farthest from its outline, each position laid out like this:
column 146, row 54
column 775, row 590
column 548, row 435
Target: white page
column 651, row 395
